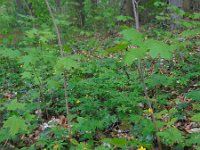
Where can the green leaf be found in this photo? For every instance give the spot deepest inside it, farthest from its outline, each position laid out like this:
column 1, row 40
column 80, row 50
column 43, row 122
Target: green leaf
column 194, row 139
column 157, row 48
column 194, row 95
column 26, row 75
column 133, row 36
column 133, row 54
column 67, row 48
column 14, row 105
column 185, row 24
column 118, row 47
column 190, row 33
column 120, row 142
column 171, row 136
column 157, row 79
column 32, row 33
column 3, row 134
column 196, row 16
column 65, row 64
column 171, row 122
column 198, row 43
column 29, row 59
column 196, row 117
column 15, row 124
column 74, row 141
column 11, row 54
column 123, row 18
column 52, row 84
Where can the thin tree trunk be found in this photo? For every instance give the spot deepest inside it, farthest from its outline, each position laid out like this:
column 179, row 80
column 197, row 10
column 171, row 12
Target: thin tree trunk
column 58, row 6
column 142, row 76
column 29, row 8
column 94, row 2
column 136, row 14
column 81, row 12
column 64, row 73
column 141, row 72
column 174, row 16
column 19, row 6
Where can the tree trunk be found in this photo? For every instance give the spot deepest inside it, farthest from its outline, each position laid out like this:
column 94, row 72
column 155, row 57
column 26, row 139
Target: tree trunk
column 58, row 6
column 19, row 6
column 81, row 12
column 177, row 3
column 94, row 2
column 136, row 14
column 174, row 16
column 195, row 5
column 186, row 5
column 127, row 8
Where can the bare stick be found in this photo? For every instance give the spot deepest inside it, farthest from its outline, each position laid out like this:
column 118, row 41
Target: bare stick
column 64, row 72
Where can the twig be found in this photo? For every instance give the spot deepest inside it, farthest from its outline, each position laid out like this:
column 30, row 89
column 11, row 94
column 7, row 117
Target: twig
column 5, row 143
column 126, row 72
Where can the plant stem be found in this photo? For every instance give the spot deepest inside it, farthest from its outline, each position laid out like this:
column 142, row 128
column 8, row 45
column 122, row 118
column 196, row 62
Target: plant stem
column 64, row 72
column 141, row 73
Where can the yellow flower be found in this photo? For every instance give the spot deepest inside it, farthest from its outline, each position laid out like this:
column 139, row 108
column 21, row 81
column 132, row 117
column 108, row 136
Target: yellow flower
column 56, row 146
column 141, row 148
column 44, row 149
column 78, row 101
column 150, row 110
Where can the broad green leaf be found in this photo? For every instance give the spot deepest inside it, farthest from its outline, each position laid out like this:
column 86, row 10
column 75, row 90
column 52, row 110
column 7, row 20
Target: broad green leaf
column 190, row 33
column 194, row 139
column 123, row 18
column 52, row 84
column 15, row 125
column 157, row 48
column 67, row 48
column 120, row 142
column 26, row 75
column 117, row 48
column 133, row 36
column 171, row 122
column 29, row 59
column 196, row 16
column 185, row 24
column 171, row 136
column 65, row 64
column 74, row 141
column 14, row 105
column 133, row 54
column 158, row 79
column 194, row 95
column 196, row 117
column 29, row 117
column 198, row 43
column 160, row 114
column 3, row 134
column 12, row 54
column 32, row 33
column 87, row 124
